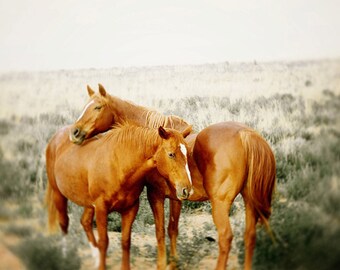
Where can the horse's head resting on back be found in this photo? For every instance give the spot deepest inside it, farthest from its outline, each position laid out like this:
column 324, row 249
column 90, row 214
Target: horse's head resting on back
column 173, row 155
column 96, row 117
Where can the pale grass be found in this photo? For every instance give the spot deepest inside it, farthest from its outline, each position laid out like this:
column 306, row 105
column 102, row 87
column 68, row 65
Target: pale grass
column 27, row 96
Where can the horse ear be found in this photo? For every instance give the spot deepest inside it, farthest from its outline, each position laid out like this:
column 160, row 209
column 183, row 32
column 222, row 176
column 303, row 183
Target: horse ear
column 163, row 133
column 187, row 131
column 90, row 91
column 102, row 90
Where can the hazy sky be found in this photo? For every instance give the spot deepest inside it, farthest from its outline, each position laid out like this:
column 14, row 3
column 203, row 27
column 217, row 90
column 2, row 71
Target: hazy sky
column 40, row 34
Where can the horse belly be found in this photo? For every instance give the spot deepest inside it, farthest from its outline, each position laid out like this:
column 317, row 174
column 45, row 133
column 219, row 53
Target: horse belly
column 73, row 185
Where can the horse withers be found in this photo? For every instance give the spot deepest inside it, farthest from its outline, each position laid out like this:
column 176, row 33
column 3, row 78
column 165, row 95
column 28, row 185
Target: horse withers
column 106, row 174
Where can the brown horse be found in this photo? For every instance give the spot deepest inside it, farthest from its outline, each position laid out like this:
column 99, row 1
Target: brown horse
column 103, row 110
column 225, row 159
column 107, row 174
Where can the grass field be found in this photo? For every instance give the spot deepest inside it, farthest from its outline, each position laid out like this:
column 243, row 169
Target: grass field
column 295, row 106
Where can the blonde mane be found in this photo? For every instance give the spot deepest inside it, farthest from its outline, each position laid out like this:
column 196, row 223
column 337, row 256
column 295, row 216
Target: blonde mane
column 155, row 119
column 131, row 136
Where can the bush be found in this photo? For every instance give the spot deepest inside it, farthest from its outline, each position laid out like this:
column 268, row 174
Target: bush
column 114, row 223
column 193, row 251
column 306, row 226
column 305, row 240
column 12, row 185
column 46, row 253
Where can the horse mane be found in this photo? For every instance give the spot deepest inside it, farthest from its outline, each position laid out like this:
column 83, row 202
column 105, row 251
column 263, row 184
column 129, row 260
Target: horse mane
column 150, row 118
column 155, row 119
column 132, row 136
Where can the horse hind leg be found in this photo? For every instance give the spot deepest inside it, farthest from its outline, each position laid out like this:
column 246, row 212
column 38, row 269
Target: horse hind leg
column 220, row 212
column 221, row 199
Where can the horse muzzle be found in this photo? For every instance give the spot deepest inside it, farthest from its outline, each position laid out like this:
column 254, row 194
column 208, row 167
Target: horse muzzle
column 77, row 135
column 183, row 193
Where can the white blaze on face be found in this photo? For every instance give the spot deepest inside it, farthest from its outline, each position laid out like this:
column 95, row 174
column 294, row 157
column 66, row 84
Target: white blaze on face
column 184, row 152
column 86, row 107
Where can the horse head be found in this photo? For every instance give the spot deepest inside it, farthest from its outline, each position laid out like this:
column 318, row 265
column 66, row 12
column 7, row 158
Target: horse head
column 172, row 160
column 96, row 117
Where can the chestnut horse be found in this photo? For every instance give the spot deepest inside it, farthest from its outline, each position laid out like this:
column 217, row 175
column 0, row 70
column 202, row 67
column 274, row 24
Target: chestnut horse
column 103, row 110
column 225, row 159
column 107, row 174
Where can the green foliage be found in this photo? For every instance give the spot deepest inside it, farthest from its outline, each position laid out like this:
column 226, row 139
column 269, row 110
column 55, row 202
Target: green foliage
column 193, row 251
column 306, row 239
column 188, row 206
column 114, row 222
column 5, row 126
column 12, row 184
column 46, row 253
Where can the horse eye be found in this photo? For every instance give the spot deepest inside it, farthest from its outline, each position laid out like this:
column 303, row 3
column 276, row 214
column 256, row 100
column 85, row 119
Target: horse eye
column 97, row 108
column 171, row 155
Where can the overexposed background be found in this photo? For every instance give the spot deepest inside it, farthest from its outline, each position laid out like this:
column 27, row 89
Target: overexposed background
column 68, row 34
column 273, row 65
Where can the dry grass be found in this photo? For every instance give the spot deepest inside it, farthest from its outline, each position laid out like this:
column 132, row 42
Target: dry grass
column 294, row 105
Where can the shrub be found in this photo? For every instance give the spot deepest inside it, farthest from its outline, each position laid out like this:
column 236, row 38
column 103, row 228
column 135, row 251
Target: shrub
column 46, row 253
column 194, row 250
column 11, row 184
column 5, row 127
column 114, row 222
column 305, row 240
column 306, row 226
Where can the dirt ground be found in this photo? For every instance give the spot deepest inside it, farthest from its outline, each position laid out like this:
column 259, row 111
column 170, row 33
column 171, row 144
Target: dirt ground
column 141, row 258
column 198, row 221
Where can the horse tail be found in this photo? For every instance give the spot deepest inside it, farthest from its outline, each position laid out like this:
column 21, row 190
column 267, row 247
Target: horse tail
column 49, row 196
column 261, row 174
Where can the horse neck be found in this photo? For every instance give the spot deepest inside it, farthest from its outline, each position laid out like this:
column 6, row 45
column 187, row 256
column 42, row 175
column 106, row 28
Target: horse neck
column 136, row 141
column 140, row 115
column 127, row 111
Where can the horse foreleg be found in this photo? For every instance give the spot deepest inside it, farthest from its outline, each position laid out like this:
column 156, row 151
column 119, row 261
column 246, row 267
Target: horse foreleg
column 87, row 221
column 127, row 219
column 103, row 240
column 250, row 234
column 175, row 211
column 220, row 213
column 157, row 205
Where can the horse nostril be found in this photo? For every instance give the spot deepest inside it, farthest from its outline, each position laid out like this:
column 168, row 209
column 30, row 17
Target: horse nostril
column 185, row 192
column 76, row 132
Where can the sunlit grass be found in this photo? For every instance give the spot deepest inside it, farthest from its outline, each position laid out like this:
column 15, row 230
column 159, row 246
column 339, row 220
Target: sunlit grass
column 303, row 133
